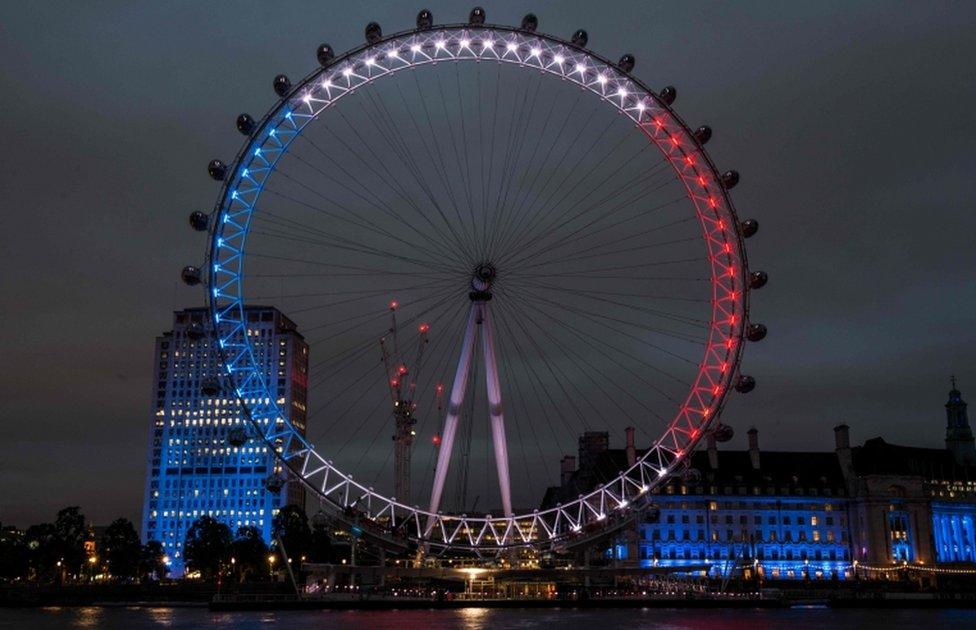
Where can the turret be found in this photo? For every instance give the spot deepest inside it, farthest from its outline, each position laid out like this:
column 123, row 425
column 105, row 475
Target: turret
column 959, row 435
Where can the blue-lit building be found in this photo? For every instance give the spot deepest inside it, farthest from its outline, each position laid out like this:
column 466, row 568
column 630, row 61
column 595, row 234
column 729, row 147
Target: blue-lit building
column 917, row 505
column 800, row 515
column 784, row 513
column 193, row 467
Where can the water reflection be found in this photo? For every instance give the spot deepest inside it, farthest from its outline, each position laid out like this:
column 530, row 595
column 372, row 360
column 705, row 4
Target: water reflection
column 132, row 618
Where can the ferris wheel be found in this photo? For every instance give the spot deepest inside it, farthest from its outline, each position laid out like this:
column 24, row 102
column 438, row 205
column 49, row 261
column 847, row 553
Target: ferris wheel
column 493, row 241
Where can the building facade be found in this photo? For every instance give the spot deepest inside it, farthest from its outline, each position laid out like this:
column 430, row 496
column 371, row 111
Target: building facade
column 872, row 510
column 204, row 457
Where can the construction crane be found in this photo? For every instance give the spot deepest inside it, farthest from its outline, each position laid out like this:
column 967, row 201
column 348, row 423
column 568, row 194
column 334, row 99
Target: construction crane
column 402, row 379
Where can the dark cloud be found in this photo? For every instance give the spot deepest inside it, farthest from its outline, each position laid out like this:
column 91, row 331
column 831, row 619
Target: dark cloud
column 851, row 124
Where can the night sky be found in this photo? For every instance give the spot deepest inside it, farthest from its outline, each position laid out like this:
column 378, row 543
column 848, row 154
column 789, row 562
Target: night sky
column 852, row 125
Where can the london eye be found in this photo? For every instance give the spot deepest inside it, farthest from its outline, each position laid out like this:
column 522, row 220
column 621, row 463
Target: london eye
column 493, row 241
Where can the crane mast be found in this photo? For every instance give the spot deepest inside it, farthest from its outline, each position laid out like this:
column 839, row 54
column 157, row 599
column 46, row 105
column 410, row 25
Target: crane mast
column 403, row 384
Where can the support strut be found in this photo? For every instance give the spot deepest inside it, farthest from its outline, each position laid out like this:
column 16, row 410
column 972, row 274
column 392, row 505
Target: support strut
column 479, row 317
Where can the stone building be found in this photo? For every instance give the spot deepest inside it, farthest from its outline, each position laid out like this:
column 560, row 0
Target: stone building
column 798, row 515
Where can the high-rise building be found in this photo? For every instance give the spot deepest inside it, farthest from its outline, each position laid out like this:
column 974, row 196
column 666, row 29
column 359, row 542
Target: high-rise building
column 204, row 457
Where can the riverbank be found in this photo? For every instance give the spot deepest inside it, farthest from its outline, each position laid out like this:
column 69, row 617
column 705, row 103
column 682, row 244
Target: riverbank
column 882, row 601
column 405, row 603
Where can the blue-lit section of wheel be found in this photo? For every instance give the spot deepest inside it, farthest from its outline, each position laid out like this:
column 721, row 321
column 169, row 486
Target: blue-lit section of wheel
column 718, row 237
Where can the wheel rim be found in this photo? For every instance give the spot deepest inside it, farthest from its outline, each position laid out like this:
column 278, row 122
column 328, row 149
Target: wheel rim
column 252, row 170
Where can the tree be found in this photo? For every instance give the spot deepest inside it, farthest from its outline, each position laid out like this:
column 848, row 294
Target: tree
column 13, row 555
column 43, row 551
column 250, row 553
column 71, row 532
column 121, row 549
column 152, row 561
column 320, row 548
column 207, row 546
column 290, row 526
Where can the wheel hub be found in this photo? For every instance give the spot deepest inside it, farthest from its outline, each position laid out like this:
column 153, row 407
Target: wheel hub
column 481, row 280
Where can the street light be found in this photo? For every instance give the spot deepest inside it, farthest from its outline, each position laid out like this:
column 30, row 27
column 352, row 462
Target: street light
column 92, row 561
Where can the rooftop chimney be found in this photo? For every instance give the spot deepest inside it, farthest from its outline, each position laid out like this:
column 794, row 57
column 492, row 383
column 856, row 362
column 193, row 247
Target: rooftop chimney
column 842, row 436
column 591, row 444
column 754, row 447
column 631, row 449
column 567, row 466
column 712, row 451
column 842, row 446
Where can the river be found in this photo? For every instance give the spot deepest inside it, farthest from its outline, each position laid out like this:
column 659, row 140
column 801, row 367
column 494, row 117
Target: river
column 477, row 618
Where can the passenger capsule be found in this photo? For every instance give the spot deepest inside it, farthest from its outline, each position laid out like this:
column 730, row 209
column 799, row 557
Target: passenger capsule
column 237, row 436
column 626, row 63
column 756, row 332
column 580, row 38
column 282, row 85
column 730, row 179
column 749, row 227
column 190, row 275
column 199, row 221
column 210, row 387
column 745, row 384
column 758, row 279
column 195, row 331
column 530, row 22
column 703, row 134
column 477, row 16
column 245, row 124
column 425, row 19
column 723, row 433
column 373, row 33
column 324, row 54
column 668, row 95
column 217, row 170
